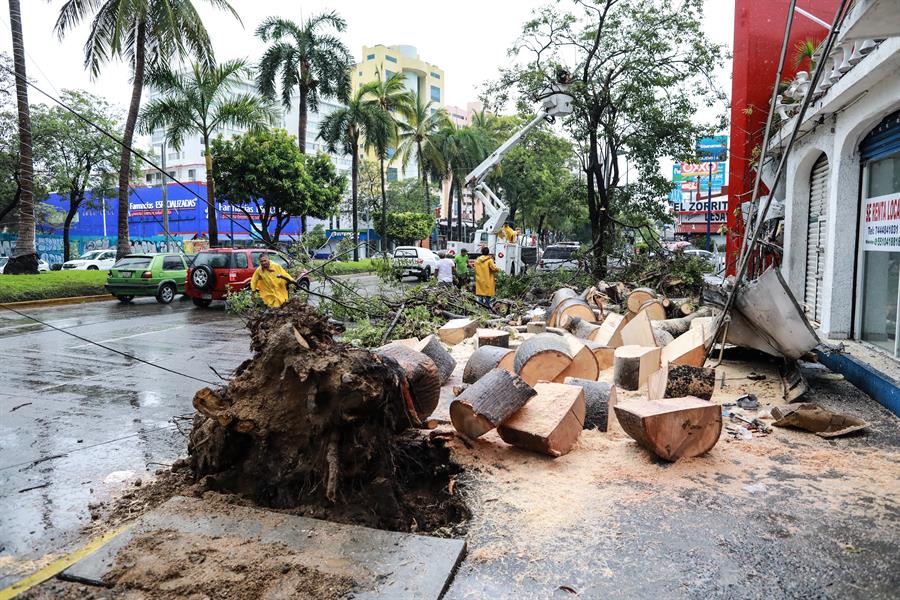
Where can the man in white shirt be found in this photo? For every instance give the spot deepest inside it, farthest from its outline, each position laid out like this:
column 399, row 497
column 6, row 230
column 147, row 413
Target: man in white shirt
column 444, row 270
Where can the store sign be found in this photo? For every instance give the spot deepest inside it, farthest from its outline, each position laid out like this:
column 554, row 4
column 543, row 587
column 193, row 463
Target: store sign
column 699, row 170
column 881, row 230
column 713, row 149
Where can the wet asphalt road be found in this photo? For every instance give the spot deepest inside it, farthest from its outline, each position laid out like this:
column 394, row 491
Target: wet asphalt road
column 78, row 423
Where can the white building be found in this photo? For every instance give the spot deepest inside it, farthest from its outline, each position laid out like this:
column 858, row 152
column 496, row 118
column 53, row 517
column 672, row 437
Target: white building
column 841, row 190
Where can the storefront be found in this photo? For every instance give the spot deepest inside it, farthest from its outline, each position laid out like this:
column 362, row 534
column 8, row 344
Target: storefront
column 879, row 261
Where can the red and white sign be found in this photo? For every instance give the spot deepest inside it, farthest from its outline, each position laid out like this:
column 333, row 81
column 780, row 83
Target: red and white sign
column 881, row 228
column 691, row 169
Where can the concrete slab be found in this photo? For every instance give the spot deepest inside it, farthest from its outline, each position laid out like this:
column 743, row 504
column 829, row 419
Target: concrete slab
column 384, row 564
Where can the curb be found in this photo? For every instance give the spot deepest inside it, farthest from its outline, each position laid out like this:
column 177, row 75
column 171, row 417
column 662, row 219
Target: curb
column 58, row 301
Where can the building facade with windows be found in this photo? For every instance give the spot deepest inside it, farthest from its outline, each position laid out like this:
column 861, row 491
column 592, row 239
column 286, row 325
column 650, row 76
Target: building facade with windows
column 841, row 189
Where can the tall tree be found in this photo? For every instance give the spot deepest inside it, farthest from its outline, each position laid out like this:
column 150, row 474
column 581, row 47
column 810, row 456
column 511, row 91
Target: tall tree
column 143, row 32
column 303, row 57
column 344, row 131
column 76, row 159
column 418, row 137
column 10, row 190
column 200, row 101
column 391, row 96
column 462, row 149
column 637, row 70
column 24, row 259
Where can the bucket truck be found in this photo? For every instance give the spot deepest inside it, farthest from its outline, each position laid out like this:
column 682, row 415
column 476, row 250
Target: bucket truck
column 507, row 253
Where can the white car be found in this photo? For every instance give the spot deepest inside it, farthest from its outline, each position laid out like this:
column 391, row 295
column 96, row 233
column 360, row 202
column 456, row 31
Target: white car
column 558, row 257
column 414, row 261
column 42, row 264
column 92, row 261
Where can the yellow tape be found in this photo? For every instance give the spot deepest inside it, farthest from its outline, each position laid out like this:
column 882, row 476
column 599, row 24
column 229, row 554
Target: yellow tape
column 58, row 565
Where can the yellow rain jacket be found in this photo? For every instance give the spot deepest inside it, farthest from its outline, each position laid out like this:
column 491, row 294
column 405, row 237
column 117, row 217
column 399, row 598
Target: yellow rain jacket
column 272, row 290
column 484, row 275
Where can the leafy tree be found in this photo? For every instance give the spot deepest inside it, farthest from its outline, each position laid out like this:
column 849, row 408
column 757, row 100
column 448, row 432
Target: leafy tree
column 264, row 175
column 418, row 135
column 143, row 32
column 201, row 101
column 405, row 195
column 304, row 58
column 74, row 157
column 391, row 96
column 315, row 238
column 462, row 149
column 637, row 69
column 24, row 259
column 10, row 190
column 408, row 227
column 369, row 187
column 343, row 131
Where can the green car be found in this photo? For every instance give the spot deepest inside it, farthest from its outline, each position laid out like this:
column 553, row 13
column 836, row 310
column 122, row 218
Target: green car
column 159, row 275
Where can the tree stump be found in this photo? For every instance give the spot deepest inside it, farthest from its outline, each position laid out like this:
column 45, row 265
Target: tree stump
column 422, row 375
column 551, row 421
column 492, row 337
column 486, row 358
column 599, row 397
column 432, row 347
column 455, row 331
column 542, row 358
column 633, row 365
column 489, row 402
column 672, row 428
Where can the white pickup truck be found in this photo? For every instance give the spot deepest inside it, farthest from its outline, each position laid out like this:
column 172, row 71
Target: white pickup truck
column 414, row 261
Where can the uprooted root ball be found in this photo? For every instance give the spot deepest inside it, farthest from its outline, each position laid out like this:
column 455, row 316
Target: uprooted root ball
column 306, row 422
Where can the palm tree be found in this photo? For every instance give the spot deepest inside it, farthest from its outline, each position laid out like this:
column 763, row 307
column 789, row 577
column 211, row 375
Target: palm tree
column 142, row 32
column 462, row 148
column 24, row 258
column 200, row 102
column 391, row 96
column 418, row 134
column 343, row 132
column 317, row 64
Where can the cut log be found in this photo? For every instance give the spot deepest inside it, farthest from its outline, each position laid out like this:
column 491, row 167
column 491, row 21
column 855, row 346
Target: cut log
column 550, row 422
column 689, row 348
column 486, row 358
column 599, row 397
column 663, row 338
column 687, row 308
column 654, row 309
column 633, row 365
column 492, row 337
column 582, row 329
column 596, row 299
column 637, row 297
column 676, row 381
column 421, row 374
column 569, row 308
column 672, row 428
column 560, row 295
column 584, row 364
column 456, row 330
column 639, row 331
column 489, row 402
column 678, row 326
column 542, row 358
column 610, row 333
column 536, row 327
column 411, row 342
column 603, row 354
column 706, row 325
column 432, row 347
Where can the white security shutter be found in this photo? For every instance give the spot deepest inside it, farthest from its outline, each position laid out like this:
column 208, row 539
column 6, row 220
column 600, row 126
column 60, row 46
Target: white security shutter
column 815, row 241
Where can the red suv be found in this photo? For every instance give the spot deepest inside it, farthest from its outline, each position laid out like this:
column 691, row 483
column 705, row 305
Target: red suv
column 216, row 272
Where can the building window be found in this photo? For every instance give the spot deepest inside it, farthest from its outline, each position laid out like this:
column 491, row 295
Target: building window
column 149, row 178
column 192, row 174
column 390, row 58
column 360, row 73
column 435, row 75
column 370, row 57
column 392, row 174
column 388, row 74
column 435, row 93
column 391, row 152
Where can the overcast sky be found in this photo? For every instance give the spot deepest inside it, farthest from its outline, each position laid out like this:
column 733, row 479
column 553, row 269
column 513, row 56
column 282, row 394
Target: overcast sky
column 466, row 38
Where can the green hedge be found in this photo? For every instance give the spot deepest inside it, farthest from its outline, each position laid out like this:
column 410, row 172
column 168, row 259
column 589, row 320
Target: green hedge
column 55, row 284
column 346, row 267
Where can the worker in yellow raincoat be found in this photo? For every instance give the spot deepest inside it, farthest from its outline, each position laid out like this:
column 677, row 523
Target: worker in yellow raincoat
column 509, row 234
column 484, row 277
column 270, row 281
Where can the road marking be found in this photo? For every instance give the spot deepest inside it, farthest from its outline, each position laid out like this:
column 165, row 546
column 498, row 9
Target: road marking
column 59, row 565
column 125, row 337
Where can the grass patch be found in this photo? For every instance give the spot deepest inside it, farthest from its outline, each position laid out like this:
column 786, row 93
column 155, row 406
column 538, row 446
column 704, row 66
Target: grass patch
column 55, row 284
column 347, row 267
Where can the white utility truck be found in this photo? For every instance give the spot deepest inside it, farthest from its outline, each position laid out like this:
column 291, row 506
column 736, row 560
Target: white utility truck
column 507, row 254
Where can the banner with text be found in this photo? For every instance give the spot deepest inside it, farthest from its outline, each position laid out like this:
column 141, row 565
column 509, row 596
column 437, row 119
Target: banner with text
column 881, row 231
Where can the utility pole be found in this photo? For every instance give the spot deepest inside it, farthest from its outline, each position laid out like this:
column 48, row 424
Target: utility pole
column 165, row 191
column 709, row 209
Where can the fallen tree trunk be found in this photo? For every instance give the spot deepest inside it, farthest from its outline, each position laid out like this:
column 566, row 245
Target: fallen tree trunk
column 422, row 375
column 672, row 428
column 432, row 347
column 486, row 358
column 678, row 326
column 489, row 402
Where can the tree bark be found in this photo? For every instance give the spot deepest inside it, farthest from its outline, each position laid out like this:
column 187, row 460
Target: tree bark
column 354, row 184
column 24, row 259
column 424, row 177
column 459, row 211
column 212, row 224
column 123, row 247
column 450, row 209
column 74, row 202
column 301, row 111
column 384, row 231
